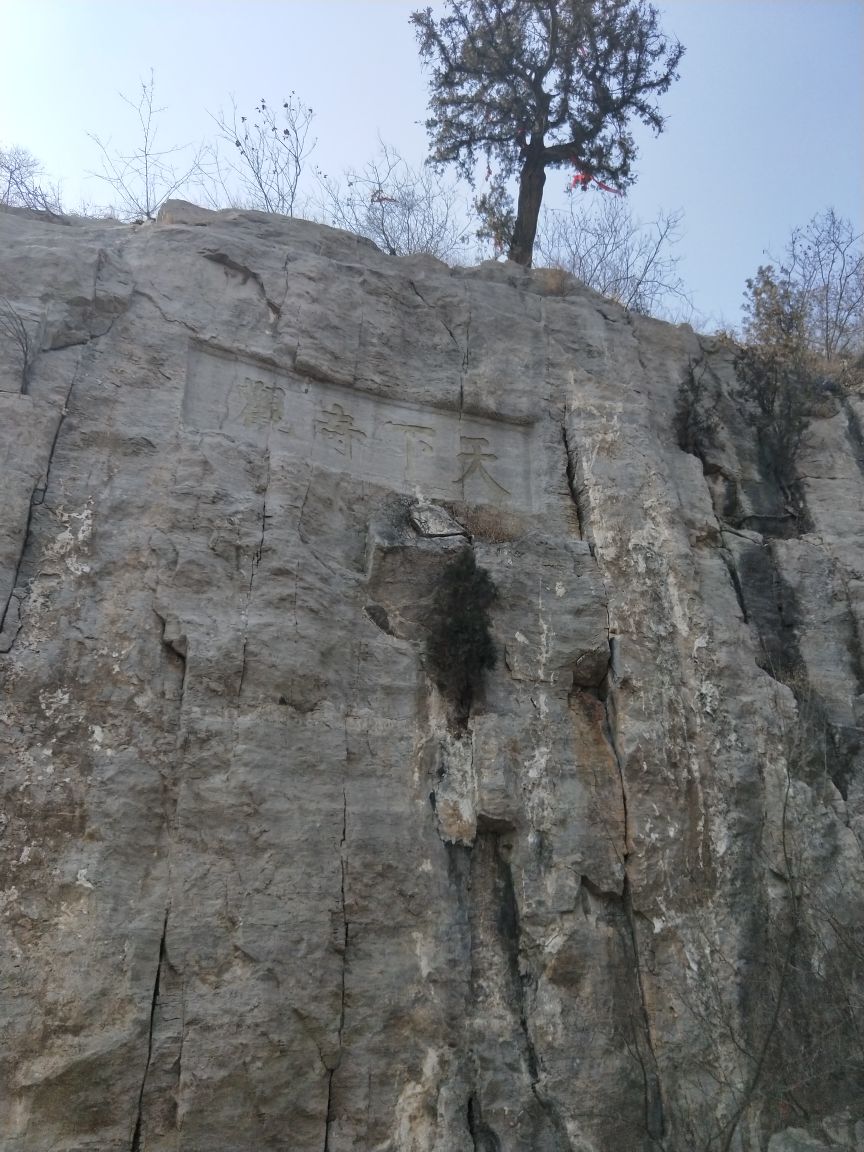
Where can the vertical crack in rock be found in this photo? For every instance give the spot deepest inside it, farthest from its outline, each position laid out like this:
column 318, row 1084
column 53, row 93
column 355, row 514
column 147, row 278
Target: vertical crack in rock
column 497, row 982
column 465, row 362
column 256, row 561
column 43, row 486
column 770, row 607
column 46, row 477
column 302, row 511
column 343, row 868
column 356, row 367
column 631, row 323
column 179, row 1075
column 855, row 641
column 654, row 1119
column 731, row 567
column 7, row 641
column 482, row 1137
column 154, row 1001
column 10, row 620
column 653, row 1098
column 511, row 936
column 854, row 431
column 570, row 467
column 438, row 315
column 605, row 697
column 697, row 424
column 343, row 864
column 495, row 988
column 824, row 741
column 452, row 336
column 285, row 264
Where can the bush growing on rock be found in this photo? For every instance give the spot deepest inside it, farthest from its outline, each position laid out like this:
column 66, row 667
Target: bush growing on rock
column 459, row 646
column 695, row 423
column 776, row 370
column 803, row 336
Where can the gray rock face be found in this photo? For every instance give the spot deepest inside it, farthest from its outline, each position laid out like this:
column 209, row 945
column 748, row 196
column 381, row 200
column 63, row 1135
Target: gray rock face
column 261, row 888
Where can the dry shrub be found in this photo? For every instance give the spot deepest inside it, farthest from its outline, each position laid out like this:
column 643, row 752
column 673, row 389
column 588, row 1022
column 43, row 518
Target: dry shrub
column 555, row 281
column 484, row 522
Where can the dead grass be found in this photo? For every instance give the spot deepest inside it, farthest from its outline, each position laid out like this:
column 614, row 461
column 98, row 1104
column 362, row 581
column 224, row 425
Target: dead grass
column 555, row 281
column 483, row 522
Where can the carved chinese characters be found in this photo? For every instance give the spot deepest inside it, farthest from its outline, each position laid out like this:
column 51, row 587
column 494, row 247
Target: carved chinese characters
column 406, row 447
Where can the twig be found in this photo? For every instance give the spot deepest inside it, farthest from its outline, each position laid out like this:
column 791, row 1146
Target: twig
column 12, row 326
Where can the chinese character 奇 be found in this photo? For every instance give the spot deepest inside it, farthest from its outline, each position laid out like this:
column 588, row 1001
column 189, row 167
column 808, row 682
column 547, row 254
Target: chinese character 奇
column 338, row 425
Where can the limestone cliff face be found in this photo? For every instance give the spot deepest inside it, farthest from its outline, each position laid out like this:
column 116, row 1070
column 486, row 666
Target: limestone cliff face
column 261, row 888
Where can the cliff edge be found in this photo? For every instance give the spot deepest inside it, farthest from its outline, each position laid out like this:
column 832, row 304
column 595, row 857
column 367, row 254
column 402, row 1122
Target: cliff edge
column 263, row 885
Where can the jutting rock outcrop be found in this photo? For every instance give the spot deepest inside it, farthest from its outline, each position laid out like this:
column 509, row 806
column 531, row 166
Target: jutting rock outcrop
column 264, row 885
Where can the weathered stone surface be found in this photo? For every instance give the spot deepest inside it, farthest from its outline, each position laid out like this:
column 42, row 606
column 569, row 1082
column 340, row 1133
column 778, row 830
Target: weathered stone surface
column 430, row 520
column 260, row 889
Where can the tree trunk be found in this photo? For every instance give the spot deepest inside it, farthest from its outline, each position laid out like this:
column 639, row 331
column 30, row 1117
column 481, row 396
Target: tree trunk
column 531, row 181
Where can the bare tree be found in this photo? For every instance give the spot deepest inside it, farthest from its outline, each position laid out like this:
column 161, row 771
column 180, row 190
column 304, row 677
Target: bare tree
column 144, row 178
column 14, row 331
column 824, row 263
column 401, row 208
column 611, row 251
column 268, row 153
column 22, row 185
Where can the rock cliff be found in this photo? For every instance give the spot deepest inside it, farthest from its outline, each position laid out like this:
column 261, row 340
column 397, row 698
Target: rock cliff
column 263, row 886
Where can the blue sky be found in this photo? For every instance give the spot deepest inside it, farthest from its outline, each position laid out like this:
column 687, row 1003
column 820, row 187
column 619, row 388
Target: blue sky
column 765, row 127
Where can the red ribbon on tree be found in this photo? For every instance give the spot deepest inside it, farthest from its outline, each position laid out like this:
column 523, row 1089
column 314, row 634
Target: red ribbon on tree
column 583, row 179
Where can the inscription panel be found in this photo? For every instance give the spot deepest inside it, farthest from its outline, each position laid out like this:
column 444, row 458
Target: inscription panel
column 407, row 447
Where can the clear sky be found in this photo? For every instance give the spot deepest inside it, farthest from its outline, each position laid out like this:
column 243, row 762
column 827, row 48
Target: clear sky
column 765, row 127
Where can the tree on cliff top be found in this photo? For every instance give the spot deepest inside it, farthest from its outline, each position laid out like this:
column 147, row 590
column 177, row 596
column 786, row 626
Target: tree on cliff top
column 824, row 266
column 534, row 84
column 21, row 184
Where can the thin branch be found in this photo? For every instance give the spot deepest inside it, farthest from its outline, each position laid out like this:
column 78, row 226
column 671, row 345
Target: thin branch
column 21, row 185
column 15, row 330
column 604, row 246
column 401, row 208
column 146, row 177
column 267, row 153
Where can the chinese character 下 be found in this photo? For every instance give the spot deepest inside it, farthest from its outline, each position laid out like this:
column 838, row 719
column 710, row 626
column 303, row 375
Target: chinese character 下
column 415, row 445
